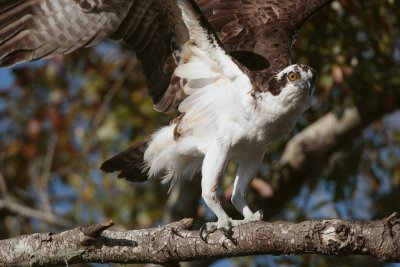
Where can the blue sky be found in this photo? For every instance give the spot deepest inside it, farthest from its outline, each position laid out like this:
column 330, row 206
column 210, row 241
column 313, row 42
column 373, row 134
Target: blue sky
column 6, row 77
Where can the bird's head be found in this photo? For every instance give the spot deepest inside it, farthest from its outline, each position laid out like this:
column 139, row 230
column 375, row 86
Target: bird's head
column 294, row 86
column 297, row 76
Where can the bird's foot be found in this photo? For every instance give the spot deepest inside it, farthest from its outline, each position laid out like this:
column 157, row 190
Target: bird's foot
column 225, row 226
column 254, row 217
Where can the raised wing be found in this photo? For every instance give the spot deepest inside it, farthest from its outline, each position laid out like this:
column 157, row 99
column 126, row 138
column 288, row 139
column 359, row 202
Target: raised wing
column 259, row 33
column 34, row 29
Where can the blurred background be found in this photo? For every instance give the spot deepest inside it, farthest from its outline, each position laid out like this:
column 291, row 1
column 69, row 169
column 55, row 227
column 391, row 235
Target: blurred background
column 61, row 118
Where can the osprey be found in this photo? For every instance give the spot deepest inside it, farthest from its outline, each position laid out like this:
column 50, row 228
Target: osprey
column 223, row 64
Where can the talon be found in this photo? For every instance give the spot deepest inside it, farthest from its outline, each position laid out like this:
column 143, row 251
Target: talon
column 228, row 233
column 259, row 215
column 203, row 228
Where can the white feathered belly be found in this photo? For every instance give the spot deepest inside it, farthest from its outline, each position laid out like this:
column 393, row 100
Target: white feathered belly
column 173, row 158
column 216, row 111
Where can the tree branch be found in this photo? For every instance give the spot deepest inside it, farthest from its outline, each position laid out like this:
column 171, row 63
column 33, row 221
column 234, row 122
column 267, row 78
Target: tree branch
column 174, row 243
column 50, row 218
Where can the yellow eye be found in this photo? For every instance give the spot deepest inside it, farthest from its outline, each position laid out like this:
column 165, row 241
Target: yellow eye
column 292, row 76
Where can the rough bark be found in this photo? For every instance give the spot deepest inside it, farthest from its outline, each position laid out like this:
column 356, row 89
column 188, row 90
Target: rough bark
column 174, row 243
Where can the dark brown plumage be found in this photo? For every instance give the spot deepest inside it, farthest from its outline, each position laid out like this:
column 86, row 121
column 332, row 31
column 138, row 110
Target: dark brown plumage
column 129, row 163
column 265, row 27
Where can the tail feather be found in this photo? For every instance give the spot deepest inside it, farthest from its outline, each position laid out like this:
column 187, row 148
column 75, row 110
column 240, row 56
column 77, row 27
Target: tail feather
column 129, row 163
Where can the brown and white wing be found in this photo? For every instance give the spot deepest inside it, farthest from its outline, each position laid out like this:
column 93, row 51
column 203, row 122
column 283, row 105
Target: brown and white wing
column 266, row 28
column 258, row 33
column 35, row 29
column 155, row 29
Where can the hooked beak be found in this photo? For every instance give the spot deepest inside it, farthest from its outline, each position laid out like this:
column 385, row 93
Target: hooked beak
column 311, row 82
column 311, row 87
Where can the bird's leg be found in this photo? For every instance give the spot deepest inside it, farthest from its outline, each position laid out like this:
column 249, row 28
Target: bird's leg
column 213, row 167
column 245, row 174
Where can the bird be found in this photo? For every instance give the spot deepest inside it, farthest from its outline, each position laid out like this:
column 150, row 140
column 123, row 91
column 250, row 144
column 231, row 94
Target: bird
column 223, row 65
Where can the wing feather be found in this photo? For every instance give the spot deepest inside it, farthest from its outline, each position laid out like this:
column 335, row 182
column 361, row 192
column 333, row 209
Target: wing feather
column 265, row 27
column 154, row 28
column 35, row 29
